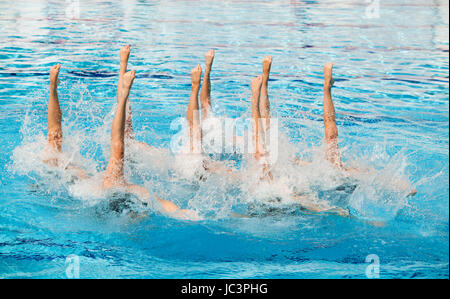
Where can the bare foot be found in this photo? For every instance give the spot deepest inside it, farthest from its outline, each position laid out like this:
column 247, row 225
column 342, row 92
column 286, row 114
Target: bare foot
column 128, row 79
column 124, row 54
column 209, row 58
column 54, row 72
column 196, row 74
column 328, row 75
column 267, row 63
column 256, row 84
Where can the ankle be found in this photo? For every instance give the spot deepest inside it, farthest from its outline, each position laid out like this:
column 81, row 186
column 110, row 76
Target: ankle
column 124, row 92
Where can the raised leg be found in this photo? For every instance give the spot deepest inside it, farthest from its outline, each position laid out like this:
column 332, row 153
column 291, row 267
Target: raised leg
column 192, row 114
column 264, row 103
column 205, row 93
column 54, row 112
column 114, row 171
column 124, row 55
column 257, row 130
column 329, row 118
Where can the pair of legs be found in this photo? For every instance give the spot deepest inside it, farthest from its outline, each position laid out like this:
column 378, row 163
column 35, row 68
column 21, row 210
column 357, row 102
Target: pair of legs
column 193, row 112
column 261, row 108
column 114, row 175
column 121, row 128
column 261, row 114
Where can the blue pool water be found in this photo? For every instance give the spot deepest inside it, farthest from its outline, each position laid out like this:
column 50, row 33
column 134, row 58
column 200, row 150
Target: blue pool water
column 392, row 103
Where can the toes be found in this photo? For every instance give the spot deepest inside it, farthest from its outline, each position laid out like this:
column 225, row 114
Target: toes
column 125, row 51
column 257, row 81
column 209, row 57
column 267, row 63
column 196, row 69
column 56, row 68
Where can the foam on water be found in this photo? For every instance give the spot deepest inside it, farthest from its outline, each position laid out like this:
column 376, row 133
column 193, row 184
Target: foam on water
column 380, row 187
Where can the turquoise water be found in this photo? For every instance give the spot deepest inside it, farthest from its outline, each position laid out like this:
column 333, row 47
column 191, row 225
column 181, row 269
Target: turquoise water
column 391, row 97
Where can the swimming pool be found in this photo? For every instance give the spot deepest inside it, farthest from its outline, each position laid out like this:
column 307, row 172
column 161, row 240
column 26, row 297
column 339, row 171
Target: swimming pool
column 391, row 97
